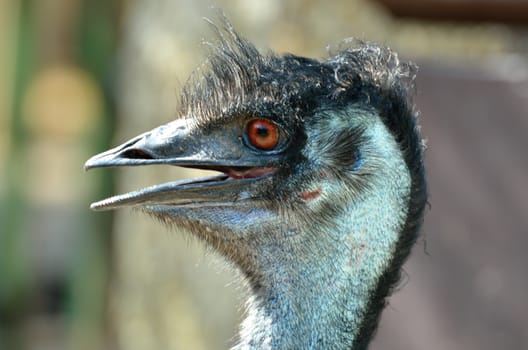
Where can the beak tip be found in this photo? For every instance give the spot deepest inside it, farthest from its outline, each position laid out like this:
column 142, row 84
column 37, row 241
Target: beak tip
column 98, row 206
column 93, row 162
column 86, row 166
column 94, row 207
column 100, row 161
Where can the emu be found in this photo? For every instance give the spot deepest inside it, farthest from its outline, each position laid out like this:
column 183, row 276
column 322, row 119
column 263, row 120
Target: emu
column 321, row 191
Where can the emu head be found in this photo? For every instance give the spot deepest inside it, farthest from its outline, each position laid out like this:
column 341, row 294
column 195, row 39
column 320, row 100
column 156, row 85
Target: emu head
column 320, row 161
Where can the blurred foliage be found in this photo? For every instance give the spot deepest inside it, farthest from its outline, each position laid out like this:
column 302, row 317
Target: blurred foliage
column 54, row 256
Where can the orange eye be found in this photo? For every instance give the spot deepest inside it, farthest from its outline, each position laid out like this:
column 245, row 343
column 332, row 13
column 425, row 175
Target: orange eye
column 262, row 134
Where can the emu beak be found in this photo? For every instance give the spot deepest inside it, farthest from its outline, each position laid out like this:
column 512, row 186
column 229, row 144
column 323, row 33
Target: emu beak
column 180, row 143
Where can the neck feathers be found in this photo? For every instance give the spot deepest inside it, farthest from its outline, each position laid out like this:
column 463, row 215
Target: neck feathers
column 322, row 288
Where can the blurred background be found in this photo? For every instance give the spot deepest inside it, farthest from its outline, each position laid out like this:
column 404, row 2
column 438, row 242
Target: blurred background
column 78, row 76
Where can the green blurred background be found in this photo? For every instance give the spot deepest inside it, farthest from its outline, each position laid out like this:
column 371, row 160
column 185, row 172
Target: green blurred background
column 77, row 76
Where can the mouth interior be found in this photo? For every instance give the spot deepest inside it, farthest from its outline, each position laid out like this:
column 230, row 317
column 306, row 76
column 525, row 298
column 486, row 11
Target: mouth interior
column 234, row 173
column 140, row 196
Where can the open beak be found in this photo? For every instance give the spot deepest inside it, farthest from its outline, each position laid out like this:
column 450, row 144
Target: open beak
column 181, row 143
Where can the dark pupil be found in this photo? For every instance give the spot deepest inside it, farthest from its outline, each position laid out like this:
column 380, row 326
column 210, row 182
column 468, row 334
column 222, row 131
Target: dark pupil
column 262, row 131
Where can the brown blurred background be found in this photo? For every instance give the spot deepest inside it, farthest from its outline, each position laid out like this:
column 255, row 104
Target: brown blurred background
column 77, row 76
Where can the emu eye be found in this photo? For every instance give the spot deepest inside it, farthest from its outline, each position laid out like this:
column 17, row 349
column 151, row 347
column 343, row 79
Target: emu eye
column 262, row 134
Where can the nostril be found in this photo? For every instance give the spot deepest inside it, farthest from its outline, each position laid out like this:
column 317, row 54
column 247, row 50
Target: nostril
column 135, row 153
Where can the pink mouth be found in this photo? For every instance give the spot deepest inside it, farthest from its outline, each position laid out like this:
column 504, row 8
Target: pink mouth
column 250, row 173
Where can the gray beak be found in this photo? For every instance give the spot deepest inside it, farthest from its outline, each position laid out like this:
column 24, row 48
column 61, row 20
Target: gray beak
column 180, row 143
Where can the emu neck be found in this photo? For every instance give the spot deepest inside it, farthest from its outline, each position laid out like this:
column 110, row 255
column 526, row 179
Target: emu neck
column 313, row 309
column 314, row 289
